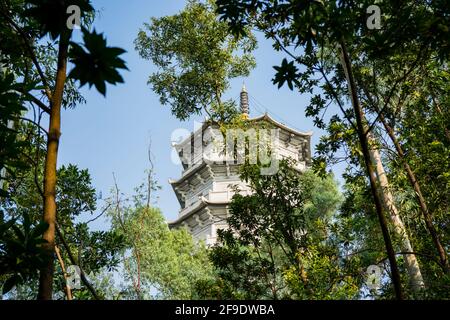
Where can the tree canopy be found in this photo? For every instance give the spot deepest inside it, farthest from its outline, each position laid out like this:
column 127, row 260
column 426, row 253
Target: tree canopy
column 196, row 57
column 377, row 79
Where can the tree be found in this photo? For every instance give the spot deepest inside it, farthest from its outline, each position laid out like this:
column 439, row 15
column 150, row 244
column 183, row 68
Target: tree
column 411, row 146
column 22, row 253
column 333, row 36
column 27, row 24
column 280, row 242
column 158, row 263
column 196, row 57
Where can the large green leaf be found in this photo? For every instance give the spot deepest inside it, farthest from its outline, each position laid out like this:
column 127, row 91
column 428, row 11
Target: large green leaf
column 95, row 62
column 52, row 15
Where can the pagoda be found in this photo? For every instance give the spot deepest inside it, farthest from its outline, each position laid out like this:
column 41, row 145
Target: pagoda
column 208, row 183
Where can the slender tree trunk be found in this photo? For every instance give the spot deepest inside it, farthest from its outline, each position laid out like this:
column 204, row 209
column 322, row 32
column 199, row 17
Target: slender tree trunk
column 66, row 277
column 412, row 265
column 420, row 198
column 54, row 132
column 359, row 115
column 74, row 261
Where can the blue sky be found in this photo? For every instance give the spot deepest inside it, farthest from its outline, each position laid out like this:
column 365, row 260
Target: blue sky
column 110, row 135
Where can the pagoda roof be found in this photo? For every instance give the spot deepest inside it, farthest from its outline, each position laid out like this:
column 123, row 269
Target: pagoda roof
column 262, row 117
column 268, row 118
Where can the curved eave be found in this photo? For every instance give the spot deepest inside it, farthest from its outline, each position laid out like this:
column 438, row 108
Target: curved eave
column 177, row 194
column 267, row 117
column 205, row 124
column 196, row 209
column 187, row 174
column 215, row 202
column 202, row 204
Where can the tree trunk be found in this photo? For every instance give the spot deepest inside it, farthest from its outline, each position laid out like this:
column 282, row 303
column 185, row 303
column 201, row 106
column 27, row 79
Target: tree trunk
column 46, row 273
column 412, row 265
column 359, row 115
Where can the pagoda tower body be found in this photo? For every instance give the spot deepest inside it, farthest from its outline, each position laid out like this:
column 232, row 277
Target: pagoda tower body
column 209, row 180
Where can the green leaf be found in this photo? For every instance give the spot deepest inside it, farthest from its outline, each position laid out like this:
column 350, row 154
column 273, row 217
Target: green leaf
column 5, row 226
column 287, row 72
column 39, row 229
column 96, row 63
column 10, row 283
column 51, row 15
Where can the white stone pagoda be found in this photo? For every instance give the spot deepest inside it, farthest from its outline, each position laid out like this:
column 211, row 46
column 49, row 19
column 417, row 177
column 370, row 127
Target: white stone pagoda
column 205, row 188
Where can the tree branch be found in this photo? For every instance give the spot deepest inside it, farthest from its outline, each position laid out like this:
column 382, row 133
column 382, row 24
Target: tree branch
column 36, row 101
column 34, row 123
column 32, row 55
column 61, row 263
column 75, row 262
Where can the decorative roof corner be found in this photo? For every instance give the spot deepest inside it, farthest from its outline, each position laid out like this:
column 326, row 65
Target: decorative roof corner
column 268, row 118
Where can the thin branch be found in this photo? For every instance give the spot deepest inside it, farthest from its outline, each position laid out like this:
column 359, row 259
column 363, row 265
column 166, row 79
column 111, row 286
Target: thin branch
column 38, row 148
column 333, row 92
column 34, row 123
column 61, row 263
column 30, row 50
column 414, row 253
column 101, row 213
column 74, row 262
column 278, row 41
column 36, row 101
column 322, row 72
column 136, row 282
column 393, row 88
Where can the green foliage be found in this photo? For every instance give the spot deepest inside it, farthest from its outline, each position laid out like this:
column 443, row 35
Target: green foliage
column 11, row 107
column 20, row 250
column 35, row 46
column 75, row 198
column 357, row 221
column 282, row 242
column 158, row 262
column 196, row 57
column 27, row 23
column 101, row 61
column 75, row 193
column 225, row 112
column 51, row 16
column 29, row 65
column 400, row 79
column 308, row 23
column 379, row 57
column 243, row 272
column 287, row 72
column 321, row 276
